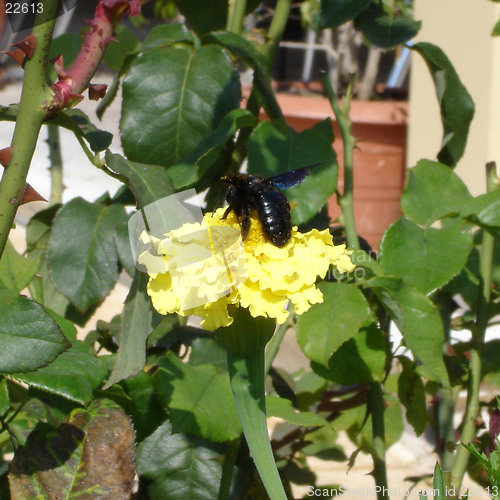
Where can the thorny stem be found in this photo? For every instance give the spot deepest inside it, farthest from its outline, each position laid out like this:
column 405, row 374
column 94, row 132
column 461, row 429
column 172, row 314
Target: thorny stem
column 35, row 94
column 346, row 199
column 56, row 166
column 376, row 405
column 345, row 125
column 472, row 408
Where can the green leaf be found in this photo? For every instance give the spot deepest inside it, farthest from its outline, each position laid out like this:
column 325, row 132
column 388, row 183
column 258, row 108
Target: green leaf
column 496, row 29
column 74, row 375
column 199, row 399
column 148, row 182
column 411, row 393
column 179, row 466
column 138, row 321
column 334, row 13
column 203, row 17
column 17, row 271
column 359, row 360
column 31, row 339
column 122, row 243
column 420, row 324
column 167, row 34
column 425, row 258
column 484, row 209
column 81, row 253
column 4, row 397
column 38, row 231
column 191, row 168
column 322, row 444
column 455, row 103
column 272, row 152
column 367, row 263
column 282, row 408
column 37, row 237
column 91, row 455
column 246, row 50
column 325, row 327
column 439, row 486
column 433, row 192
column 383, row 31
column 116, row 52
column 79, row 123
column 165, row 118
column 148, row 411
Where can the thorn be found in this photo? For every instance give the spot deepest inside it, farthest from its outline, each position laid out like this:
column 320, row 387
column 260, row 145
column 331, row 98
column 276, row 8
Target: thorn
column 30, row 194
column 27, row 45
column 58, row 63
column 97, row 92
column 18, row 55
column 5, row 156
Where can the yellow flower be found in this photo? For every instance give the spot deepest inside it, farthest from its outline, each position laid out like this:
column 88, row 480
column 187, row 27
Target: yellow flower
column 199, row 272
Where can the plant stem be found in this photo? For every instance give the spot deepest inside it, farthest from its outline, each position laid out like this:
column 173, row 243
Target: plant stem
column 236, row 16
column 345, row 199
column 228, row 469
column 274, row 345
column 276, row 29
column 376, row 405
column 274, row 34
column 56, row 166
column 31, row 114
column 472, row 408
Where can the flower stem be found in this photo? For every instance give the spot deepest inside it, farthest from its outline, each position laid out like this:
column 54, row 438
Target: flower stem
column 36, row 92
column 472, row 408
column 274, row 345
column 346, row 199
column 56, row 166
column 275, row 33
column 376, row 405
column 228, row 470
column 246, row 372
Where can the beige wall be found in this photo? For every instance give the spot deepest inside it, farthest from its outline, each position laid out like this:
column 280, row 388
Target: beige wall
column 462, row 29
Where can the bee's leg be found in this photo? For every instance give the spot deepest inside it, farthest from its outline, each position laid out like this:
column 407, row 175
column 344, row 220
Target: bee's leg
column 245, row 222
column 227, row 212
column 219, row 202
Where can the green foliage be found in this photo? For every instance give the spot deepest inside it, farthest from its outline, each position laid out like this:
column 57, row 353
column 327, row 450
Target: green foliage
column 81, row 252
column 72, row 402
column 334, row 13
column 164, row 119
column 350, row 309
column 384, row 31
column 456, row 105
column 179, row 465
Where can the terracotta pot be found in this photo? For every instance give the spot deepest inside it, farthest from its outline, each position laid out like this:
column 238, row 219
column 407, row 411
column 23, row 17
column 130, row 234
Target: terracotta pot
column 379, row 164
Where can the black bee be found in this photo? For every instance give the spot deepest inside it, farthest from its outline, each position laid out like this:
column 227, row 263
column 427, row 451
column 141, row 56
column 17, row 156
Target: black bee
column 254, row 192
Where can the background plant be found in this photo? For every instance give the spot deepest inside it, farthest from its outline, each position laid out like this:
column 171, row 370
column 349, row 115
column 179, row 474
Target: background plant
column 60, row 396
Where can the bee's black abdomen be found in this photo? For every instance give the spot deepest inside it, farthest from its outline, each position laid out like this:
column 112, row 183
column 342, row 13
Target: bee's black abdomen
column 273, row 210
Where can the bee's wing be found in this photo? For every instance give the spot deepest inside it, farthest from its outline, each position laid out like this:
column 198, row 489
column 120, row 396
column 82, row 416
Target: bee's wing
column 292, row 178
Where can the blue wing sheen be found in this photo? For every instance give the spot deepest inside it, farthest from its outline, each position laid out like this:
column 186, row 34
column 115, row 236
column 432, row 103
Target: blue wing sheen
column 291, row 179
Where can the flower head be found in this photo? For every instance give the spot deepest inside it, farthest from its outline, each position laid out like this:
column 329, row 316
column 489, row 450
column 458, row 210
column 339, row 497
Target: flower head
column 212, row 268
